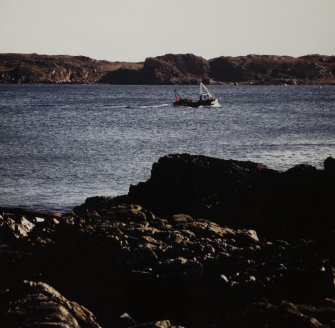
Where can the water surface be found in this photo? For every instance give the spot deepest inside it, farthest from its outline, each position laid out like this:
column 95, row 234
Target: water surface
column 62, row 143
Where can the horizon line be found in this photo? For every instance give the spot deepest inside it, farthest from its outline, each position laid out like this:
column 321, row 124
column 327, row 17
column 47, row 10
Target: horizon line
column 170, row 53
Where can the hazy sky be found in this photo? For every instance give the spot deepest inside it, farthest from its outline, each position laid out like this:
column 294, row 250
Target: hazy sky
column 132, row 30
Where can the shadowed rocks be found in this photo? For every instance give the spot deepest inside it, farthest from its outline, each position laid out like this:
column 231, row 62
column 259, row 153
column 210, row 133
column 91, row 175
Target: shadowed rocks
column 290, row 204
column 203, row 243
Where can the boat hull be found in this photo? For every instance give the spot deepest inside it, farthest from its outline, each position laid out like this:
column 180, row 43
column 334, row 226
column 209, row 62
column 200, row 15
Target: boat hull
column 192, row 103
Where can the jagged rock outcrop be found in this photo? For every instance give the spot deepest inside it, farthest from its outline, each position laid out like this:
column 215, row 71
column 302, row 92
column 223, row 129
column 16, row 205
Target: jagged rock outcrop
column 259, row 69
column 34, row 68
column 176, row 69
column 36, row 304
column 197, row 184
column 168, row 69
column 151, row 265
column 240, row 194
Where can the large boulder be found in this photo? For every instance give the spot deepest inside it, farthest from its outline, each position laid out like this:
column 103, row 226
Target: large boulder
column 240, row 194
column 36, row 304
column 197, row 185
column 329, row 165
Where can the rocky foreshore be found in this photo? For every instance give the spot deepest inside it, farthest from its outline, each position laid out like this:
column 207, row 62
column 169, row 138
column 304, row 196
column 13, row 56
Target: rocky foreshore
column 169, row 69
column 204, row 242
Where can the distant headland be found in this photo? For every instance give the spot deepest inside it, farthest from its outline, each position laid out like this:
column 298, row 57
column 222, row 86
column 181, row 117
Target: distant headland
column 168, row 69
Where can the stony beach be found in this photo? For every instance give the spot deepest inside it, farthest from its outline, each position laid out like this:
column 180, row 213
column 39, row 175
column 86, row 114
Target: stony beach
column 205, row 242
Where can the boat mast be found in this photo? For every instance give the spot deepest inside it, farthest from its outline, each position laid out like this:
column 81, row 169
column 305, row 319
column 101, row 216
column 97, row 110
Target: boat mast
column 204, row 90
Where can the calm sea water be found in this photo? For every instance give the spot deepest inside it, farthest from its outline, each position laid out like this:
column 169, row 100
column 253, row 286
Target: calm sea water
column 62, row 143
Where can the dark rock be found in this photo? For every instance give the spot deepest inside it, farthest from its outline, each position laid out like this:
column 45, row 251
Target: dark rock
column 36, row 304
column 157, row 324
column 227, row 69
column 301, row 169
column 124, row 321
column 135, row 260
column 138, row 261
column 239, row 194
column 329, row 165
column 12, row 227
column 196, row 185
column 105, row 207
column 213, row 243
column 288, row 314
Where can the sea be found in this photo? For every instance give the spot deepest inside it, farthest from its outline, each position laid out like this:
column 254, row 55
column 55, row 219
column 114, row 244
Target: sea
column 60, row 144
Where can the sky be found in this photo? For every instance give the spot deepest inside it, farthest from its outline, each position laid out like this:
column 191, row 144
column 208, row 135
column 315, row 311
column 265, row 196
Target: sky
column 132, row 30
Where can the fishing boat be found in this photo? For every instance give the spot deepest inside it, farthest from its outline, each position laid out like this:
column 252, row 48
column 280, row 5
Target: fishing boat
column 206, row 98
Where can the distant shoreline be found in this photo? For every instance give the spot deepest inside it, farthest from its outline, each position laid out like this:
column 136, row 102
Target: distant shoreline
column 170, row 69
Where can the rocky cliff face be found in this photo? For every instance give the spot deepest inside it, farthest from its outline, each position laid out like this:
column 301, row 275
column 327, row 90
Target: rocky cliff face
column 33, row 68
column 176, row 69
column 274, row 69
column 47, row 69
column 168, row 69
column 214, row 243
